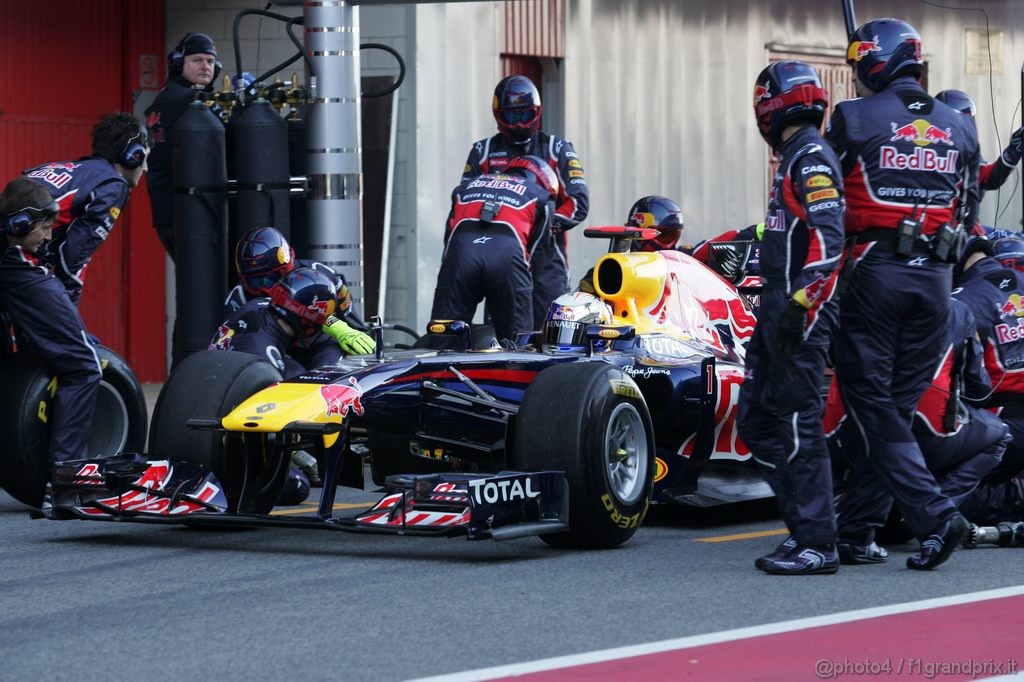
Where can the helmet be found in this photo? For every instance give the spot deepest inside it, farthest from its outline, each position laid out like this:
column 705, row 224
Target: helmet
column 959, row 100
column 786, row 93
column 262, row 257
column 1010, row 252
column 304, row 298
column 541, row 170
column 884, row 49
column 661, row 213
column 565, row 325
column 516, row 107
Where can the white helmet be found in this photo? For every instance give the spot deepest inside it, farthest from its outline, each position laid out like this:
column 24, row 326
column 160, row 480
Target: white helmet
column 568, row 315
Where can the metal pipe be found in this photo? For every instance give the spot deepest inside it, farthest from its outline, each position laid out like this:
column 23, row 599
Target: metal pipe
column 848, row 16
column 333, row 147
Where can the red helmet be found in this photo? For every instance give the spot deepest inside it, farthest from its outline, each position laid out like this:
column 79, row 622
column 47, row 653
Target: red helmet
column 541, row 170
column 660, row 213
column 305, row 299
column 517, row 108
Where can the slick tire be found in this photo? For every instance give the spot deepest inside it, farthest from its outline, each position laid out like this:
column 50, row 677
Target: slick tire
column 27, row 389
column 590, row 420
column 209, row 384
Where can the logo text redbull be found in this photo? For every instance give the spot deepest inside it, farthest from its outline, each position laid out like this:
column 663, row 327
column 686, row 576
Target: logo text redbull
column 927, row 160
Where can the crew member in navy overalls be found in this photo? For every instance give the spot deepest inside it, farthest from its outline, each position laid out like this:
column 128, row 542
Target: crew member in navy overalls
column 495, row 225
column 780, row 406
column 990, row 175
column 909, row 166
column 45, row 317
column 994, row 291
column 517, row 110
column 91, row 193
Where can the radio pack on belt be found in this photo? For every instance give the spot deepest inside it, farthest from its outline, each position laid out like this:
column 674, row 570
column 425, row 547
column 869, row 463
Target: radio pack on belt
column 489, row 211
column 908, row 232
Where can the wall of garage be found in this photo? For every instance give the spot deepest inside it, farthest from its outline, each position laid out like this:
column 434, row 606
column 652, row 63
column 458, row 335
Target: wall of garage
column 61, row 71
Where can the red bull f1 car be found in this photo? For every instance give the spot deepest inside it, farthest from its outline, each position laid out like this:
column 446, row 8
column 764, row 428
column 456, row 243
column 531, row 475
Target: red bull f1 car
column 571, row 445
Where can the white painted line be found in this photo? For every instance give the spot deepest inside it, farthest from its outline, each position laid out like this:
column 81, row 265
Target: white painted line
column 716, row 637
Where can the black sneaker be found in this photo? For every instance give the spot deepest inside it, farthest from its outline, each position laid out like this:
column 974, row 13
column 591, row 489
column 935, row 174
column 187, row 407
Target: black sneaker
column 779, row 552
column 851, row 554
column 803, row 560
column 937, row 547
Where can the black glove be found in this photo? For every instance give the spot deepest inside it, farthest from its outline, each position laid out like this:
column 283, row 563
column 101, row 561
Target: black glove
column 791, row 327
column 1014, row 150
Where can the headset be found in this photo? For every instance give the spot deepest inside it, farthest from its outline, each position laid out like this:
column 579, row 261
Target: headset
column 176, row 57
column 20, row 222
column 135, row 150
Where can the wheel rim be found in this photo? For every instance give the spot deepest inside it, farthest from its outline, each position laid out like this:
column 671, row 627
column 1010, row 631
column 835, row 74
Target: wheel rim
column 110, row 423
column 626, row 455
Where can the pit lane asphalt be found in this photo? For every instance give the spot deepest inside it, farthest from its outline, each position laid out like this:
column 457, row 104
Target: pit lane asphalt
column 80, row 599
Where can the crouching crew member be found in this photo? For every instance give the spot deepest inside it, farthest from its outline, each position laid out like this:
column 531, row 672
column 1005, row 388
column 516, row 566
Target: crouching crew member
column 45, row 317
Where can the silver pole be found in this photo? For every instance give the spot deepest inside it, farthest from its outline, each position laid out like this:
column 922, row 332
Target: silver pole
column 333, row 146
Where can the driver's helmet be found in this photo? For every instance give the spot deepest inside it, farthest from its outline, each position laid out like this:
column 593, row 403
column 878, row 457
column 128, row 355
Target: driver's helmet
column 883, row 50
column 262, row 257
column 565, row 325
column 662, row 214
column 304, row 298
column 516, row 107
column 959, row 100
column 1010, row 252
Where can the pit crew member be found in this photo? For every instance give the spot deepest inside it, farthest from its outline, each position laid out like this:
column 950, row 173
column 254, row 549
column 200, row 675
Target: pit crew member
column 517, row 110
column 193, row 62
column 910, row 169
column 654, row 211
column 496, row 223
column 993, row 289
column 45, row 317
column 779, row 414
column 91, row 193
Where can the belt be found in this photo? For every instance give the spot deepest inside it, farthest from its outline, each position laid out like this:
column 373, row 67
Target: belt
column 886, row 238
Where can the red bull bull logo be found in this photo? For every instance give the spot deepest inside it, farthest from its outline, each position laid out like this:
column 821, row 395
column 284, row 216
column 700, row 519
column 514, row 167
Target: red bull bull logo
column 339, row 398
column 224, row 334
column 862, row 48
column 1012, row 307
column 922, row 133
column 320, row 310
column 762, row 92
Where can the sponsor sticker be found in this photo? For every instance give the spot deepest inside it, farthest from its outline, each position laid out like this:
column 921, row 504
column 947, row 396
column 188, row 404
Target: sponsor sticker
column 575, row 174
column 819, row 181
column 823, row 194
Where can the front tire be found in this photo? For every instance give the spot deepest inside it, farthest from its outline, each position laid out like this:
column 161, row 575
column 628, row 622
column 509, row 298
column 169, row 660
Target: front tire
column 590, row 420
column 209, row 384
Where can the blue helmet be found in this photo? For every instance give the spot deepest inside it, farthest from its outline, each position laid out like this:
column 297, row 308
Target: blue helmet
column 959, row 100
column 882, row 50
column 262, row 257
column 662, row 214
column 516, row 107
column 786, row 93
column 1010, row 252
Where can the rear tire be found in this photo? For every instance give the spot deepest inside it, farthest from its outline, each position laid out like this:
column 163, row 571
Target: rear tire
column 209, row 384
column 589, row 419
column 26, row 392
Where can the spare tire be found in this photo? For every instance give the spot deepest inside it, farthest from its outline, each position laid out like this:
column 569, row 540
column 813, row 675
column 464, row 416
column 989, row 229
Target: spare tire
column 27, row 388
column 208, row 385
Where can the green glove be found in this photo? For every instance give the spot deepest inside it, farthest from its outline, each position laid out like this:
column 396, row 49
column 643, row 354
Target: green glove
column 351, row 341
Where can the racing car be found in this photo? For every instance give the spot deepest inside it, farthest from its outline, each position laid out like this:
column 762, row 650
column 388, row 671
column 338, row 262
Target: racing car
column 570, row 443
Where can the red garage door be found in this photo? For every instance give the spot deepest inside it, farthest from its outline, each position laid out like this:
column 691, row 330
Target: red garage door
column 62, row 66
